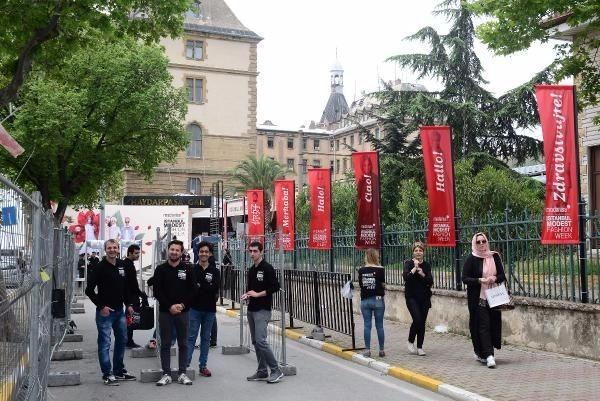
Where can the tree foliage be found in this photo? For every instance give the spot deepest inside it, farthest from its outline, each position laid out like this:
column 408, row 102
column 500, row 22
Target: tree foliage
column 44, row 32
column 480, row 121
column 343, row 205
column 107, row 107
column 517, row 24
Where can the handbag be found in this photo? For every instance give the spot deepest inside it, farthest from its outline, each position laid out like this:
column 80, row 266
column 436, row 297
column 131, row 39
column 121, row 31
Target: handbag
column 499, row 298
column 346, row 290
column 142, row 317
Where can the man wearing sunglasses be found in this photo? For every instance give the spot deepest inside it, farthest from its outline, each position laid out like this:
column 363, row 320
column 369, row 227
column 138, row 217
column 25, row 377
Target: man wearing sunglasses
column 262, row 283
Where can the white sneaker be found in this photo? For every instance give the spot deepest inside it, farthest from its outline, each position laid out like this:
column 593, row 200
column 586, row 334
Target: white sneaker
column 164, row 380
column 491, row 362
column 420, row 352
column 478, row 359
column 184, row 379
column 411, row 347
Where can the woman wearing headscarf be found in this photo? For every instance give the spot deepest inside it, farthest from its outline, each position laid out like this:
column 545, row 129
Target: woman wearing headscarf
column 417, row 291
column 482, row 269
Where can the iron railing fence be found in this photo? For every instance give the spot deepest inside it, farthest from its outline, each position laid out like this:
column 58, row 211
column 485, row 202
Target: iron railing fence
column 533, row 269
column 37, row 263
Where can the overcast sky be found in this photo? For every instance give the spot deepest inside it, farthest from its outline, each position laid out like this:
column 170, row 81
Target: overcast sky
column 301, row 37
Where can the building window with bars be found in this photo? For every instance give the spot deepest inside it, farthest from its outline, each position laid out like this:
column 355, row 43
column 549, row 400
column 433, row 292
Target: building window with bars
column 193, row 186
column 195, row 89
column 194, row 148
column 304, row 166
column 337, row 166
column 194, row 49
column 290, row 143
column 290, row 164
column 316, row 163
column 270, row 142
column 316, row 144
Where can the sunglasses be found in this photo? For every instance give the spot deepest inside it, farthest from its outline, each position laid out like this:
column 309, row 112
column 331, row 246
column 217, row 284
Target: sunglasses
column 481, row 241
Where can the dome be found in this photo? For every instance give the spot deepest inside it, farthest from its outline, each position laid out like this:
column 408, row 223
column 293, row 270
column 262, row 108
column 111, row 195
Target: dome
column 336, row 66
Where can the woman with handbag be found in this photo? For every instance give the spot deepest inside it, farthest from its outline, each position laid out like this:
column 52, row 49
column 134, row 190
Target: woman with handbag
column 417, row 291
column 482, row 269
column 371, row 279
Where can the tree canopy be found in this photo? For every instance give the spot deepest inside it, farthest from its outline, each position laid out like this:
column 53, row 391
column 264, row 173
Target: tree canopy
column 105, row 108
column 45, row 32
column 516, row 24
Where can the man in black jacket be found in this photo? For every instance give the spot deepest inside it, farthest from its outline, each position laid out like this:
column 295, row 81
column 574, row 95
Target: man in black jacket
column 133, row 254
column 203, row 307
column 174, row 288
column 262, row 283
column 113, row 293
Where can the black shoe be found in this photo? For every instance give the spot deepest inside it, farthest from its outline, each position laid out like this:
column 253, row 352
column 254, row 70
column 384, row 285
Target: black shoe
column 213, row 345
column 125, row 377
column 132, row 345
column 110, row 380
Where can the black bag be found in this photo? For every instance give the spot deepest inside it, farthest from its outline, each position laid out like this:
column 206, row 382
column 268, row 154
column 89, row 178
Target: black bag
column 142, row 317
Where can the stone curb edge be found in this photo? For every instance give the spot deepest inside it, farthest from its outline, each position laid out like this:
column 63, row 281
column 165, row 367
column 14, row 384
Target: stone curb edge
column 398, row 372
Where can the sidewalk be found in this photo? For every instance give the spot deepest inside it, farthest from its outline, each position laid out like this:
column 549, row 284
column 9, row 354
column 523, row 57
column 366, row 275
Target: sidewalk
column 522, row 373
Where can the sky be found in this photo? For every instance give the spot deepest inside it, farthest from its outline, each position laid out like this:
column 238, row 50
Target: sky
column 301, row 39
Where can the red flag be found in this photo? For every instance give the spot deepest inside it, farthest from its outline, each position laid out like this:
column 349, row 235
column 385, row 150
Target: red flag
column 256, row 215
column 368, row 223
column 9, row 143
column 284, row 207
column 319, row 185
column 437, row 157
column 560, row 224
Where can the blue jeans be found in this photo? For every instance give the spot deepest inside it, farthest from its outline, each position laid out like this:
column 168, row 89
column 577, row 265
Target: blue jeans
column 200, row 321
column 368, row 307
column 114, row 322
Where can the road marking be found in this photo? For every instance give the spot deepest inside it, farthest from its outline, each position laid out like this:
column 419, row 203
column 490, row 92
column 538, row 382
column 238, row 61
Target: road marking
column 366, row 375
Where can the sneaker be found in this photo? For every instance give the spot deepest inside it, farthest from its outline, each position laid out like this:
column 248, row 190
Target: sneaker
column 204, row 372
column 491, row 362
column 275, row 377
column 420, row 352
column 184, row 379
column 124, row 376
column 411, row 347
column 110, row 380
column 132, row 345
column 479, row 359
column 367, row 354
column 213, row 345
column 164, row 380
column 256, row 377
column 381, row 353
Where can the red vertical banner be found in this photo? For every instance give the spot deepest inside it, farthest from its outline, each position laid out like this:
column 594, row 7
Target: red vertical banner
column 439, row 175
column 560, row 223
column 319, row 186
column 256, row 215
column 368, row 221
column 285, row 213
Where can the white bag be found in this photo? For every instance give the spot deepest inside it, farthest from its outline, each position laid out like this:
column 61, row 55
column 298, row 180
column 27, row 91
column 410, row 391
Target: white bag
column 497, row 295
column 346, row 290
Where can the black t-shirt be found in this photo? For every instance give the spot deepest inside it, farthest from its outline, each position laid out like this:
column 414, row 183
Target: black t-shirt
column 371, row 280
column 174, row 285
column 262, row 278
column 207, row 283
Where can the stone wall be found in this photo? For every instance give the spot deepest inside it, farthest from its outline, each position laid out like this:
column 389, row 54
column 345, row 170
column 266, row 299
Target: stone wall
column 556, row 326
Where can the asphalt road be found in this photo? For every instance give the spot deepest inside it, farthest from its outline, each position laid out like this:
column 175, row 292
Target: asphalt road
column 321, row 376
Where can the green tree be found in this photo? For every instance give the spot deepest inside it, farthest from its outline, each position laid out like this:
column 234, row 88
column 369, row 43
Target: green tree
column 516, row 24
column 259, row 173
column 44, row 32
column 480, row 122
column 107, row 107
column 343, row 207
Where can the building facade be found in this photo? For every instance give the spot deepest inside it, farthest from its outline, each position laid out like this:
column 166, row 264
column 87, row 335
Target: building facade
column 216, row 61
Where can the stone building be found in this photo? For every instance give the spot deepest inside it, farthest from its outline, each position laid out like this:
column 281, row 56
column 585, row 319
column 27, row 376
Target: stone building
column 216, row 60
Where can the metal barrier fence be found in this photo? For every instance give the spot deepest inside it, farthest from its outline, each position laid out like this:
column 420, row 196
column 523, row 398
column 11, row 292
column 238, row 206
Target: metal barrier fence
column 533, row 270
column 36, row 288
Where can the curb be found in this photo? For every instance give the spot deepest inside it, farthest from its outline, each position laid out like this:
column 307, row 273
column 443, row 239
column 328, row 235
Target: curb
column 426, row 382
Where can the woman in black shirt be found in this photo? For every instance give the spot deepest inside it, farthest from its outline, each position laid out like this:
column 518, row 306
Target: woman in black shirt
column 417, row 290
column 371, row 279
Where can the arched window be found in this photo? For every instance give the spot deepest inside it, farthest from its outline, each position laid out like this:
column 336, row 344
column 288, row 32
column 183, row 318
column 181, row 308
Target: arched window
column 195, row 135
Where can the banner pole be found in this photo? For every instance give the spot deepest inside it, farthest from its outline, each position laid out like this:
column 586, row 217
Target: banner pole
column 457, row 267
column 381, row 256
column 331, row 259
column 582, row 219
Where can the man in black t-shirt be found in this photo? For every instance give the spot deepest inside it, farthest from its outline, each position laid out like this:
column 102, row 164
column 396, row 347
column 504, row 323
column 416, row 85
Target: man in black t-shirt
column 203, row 306
column 262, row 284
column 133, row 254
